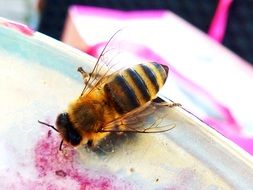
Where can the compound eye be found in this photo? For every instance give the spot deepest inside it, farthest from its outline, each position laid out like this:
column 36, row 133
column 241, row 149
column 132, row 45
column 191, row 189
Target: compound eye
column 73, row 137
column 62, row 120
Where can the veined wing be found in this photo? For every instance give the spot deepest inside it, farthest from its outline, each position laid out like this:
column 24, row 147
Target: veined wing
column 151, row 118
column 106, row 64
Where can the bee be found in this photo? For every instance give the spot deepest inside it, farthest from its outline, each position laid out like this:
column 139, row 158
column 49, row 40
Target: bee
column 123, row 101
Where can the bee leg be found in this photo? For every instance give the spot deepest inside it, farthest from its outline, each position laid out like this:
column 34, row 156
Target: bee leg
column 90, row 143
column 84, row 74
column 170, row 104
column 160, row 101
column 174, row 104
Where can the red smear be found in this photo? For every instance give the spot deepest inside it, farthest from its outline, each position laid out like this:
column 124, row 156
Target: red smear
column 49, row 161
column 17, row 26
column 60, row 173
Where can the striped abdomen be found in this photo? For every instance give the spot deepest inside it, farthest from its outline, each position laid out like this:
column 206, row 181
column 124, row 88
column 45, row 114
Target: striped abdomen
column 135, row 86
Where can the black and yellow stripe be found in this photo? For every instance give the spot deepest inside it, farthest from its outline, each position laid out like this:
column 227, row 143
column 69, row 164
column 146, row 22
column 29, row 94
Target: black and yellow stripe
column 135, row 86
column 138, row 84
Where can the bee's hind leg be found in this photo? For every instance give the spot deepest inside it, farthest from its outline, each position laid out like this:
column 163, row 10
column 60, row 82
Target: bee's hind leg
column 160, row 101
column 84, row 74
column 173, row 104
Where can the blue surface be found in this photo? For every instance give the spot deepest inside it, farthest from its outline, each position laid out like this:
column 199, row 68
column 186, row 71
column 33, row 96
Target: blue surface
column 34, row 51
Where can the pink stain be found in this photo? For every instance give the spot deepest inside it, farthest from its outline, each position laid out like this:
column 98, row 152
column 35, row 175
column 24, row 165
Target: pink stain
column 110, row 13
column 61, row 173
column 49, row 161
column 218, row 25
column 186, row 179
column 17, row 26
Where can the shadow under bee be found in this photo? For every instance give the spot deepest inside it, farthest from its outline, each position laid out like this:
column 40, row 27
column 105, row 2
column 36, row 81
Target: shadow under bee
column 112, row 143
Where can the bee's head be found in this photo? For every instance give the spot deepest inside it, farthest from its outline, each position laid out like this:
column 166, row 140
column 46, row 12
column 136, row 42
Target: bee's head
column 67, row 131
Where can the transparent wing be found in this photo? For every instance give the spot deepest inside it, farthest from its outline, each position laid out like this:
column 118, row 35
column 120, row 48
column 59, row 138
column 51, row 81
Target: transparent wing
column 151, row 118
column 108, row 62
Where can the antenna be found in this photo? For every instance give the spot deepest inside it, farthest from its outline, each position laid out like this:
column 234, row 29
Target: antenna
column 51, row 126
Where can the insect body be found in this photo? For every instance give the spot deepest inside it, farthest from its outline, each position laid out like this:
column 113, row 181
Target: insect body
column 114, row 103
column 135, row 86
column 103, row 109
